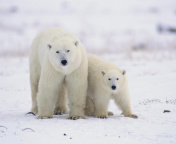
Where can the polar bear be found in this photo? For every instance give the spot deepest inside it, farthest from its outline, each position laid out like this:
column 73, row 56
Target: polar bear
column 58, row 67
column 106, row 81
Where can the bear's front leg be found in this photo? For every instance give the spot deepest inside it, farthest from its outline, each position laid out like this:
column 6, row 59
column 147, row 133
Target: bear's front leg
column 46, row 97
column 101, row 100
column 77, row 88
column 77, row 98
column 49, row 87
column 61, row 105
column 122, row 100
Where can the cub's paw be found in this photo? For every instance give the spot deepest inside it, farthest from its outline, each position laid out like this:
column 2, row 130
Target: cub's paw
column 60, row 111
column 110, row 113
column 76, row 117
column 102, row 116
column 44, row 117
column 133, row 116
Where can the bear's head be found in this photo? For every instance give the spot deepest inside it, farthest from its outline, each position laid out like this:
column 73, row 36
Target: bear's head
column 113, row 79
column 65, row 55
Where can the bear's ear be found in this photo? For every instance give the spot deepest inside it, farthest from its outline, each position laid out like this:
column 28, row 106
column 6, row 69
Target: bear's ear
column 103, row 73
column 76, row 43
column 49, row 46
column 123, row 72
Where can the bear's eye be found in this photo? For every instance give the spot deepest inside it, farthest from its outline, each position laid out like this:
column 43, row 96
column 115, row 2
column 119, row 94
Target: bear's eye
column 68, row 50
column 57, row 51
column 109, row 79
column 117, row 79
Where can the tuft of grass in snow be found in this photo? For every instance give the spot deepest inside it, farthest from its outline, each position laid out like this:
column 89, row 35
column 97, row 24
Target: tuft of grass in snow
column 171, row 101
column 148, row 101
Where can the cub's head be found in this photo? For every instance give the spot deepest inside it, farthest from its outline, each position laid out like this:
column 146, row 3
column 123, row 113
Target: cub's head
column 65, row 55
column 113, row 79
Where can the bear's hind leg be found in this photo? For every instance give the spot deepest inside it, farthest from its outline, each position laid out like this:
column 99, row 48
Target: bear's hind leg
column 61, row 105
column 89, row 109
column 34, row 90
column 110, row 113
column 34, row 81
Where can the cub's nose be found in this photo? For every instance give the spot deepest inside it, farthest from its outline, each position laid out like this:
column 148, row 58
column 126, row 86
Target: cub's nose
column 64, row 62
column 113, row 87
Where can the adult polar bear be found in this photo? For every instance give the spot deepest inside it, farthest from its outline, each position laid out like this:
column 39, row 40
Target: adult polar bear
column 58, row 60
column 105, row 81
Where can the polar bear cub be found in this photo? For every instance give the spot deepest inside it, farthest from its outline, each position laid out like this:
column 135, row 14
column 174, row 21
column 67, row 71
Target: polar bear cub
column 106, row 81
column 58, row 67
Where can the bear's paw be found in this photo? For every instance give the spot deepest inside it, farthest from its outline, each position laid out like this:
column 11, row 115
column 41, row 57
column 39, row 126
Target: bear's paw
column 133, row 116
column 76, row 117
column 44, row 117
column 60, row 111
column 102, row 116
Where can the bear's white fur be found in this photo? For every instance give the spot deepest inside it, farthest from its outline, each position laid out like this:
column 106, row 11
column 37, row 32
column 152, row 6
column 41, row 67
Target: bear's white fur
column 106, row 81
column 58, row 66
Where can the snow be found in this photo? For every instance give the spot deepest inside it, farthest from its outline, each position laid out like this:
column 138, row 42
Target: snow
column 124, row 32
column 101, row 24
column 151, row 84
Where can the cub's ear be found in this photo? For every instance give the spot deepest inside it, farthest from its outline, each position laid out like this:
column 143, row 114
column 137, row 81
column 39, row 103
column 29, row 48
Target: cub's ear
column 123, row 72
column 103, row 73
column 49, row 46
column 76, row 43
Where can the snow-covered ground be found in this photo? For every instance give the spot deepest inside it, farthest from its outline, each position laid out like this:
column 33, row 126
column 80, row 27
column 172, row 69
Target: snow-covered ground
column 152, row 89
column 131, row 33
column 103, row 26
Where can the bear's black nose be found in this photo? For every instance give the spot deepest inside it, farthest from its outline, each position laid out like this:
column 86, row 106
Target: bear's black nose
column 113, row 87
column 64, row 62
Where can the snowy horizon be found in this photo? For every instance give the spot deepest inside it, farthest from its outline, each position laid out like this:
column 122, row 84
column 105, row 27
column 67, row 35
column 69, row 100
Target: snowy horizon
column 102, row 26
